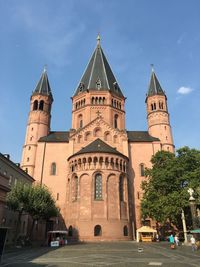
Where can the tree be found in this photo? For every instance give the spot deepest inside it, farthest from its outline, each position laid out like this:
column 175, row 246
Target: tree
column 35, row 199
column 42, row 204
column 165, row 190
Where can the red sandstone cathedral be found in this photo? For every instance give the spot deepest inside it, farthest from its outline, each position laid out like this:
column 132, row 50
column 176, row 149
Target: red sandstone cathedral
column 95, row 169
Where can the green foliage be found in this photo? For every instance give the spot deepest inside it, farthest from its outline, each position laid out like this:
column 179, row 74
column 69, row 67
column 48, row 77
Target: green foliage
column 165, row 189
column 33, row 199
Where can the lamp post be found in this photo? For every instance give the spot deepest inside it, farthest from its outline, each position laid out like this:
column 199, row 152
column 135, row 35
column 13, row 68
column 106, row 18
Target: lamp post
column 193, row 208
column 184, row 226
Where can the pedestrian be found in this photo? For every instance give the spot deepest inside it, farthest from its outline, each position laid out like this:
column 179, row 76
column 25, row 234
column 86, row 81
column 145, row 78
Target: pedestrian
column 193, row 243
column 171, row 240
column 176, row 240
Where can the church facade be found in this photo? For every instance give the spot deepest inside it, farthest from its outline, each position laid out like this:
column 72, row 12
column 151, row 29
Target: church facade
column 95, row 169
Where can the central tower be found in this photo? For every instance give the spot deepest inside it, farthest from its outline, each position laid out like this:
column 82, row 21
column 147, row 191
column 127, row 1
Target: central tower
column 98, row 93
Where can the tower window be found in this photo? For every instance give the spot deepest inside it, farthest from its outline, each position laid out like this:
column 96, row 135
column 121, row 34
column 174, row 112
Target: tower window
column 142, row 170
column 154, row 106
column 98, row 84
column 98, row 186
column 81, row 87
column 53, row 168
column 57, row 197
column 116, row 87
column 115, row 121
column 97, row 230
column 35, row 105
column 41, row 105
column 80, row 121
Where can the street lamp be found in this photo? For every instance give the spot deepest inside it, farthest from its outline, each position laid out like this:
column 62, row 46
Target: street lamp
column 193, row 208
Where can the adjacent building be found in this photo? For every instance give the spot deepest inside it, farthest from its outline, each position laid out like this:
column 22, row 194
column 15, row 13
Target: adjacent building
column 10, row 174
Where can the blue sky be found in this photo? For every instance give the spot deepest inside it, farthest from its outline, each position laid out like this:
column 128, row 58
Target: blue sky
column 62, row 34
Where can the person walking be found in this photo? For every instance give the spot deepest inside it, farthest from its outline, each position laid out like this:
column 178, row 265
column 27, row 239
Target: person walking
column 176, row 240
column 193, row 243
column 171, row 240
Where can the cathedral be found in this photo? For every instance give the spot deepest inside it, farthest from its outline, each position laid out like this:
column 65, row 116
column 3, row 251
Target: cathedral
column 95, row 169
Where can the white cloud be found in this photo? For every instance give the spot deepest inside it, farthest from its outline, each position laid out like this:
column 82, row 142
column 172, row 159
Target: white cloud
column 184, row 90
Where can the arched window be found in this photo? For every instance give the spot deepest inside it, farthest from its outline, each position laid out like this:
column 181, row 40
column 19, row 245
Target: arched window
column 121, row 188
column 70, row 231
column 142, row 169
column 115, row 121
column 97, row 230
column 75, row 188
column 80, row 121
column 35, row 105
column 151, row 106
column 154, row 106
column 53, row 168
column 125, row 230
column 98, row 186
column 41, row 105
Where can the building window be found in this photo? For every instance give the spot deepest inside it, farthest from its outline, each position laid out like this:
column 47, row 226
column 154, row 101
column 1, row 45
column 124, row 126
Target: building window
column 97, row 230
column 53, row 168
column 98, row 186
column 98, row 84
column 27, row 159
column 70, row 231
column 121, row 188
column 125, row 230
column 81, row 87
column 35, row 105
column 41, row 105
column 142, row 171
column 80, row 121
column 57, row 197
column 116, row 121
column 75, row 188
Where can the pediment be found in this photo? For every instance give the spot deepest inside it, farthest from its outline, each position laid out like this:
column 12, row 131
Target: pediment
column 99, row 128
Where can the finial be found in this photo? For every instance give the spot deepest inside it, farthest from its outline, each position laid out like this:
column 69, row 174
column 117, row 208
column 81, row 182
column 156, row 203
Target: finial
column 98, row 39
column 45, row 68
column 152, row 67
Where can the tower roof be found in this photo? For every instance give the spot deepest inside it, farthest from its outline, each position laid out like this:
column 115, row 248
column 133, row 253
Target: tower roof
column 98, row 75
column 43, row 86
column 154, row 86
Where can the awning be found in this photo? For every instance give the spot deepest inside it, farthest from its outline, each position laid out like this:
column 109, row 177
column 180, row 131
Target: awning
column 196, row 231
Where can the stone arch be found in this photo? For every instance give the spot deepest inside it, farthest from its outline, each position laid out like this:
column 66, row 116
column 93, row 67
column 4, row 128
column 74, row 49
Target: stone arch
column 112, row 196
column 85, row 196
column 97, row 230
column 88, row 136
column 107, row 136
column 35, row 105
column 80, row 121
column 115, row 139
column 41, row 105
column 97, row 132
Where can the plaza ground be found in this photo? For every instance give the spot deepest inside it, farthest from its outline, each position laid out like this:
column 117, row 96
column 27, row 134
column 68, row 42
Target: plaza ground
column 104, row 254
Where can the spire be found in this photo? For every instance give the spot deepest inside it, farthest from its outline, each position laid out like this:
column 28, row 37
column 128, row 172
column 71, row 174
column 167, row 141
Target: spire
column 98, row 75
column 154, row 85
column 43, row 87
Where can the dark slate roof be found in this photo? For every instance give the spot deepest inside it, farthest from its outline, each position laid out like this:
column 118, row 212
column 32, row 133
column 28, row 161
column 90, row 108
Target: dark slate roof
column 98, row 70
column 154, row 86
column 140, row 136
column 43, row 86
column 98, row 146
column 55, row 137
